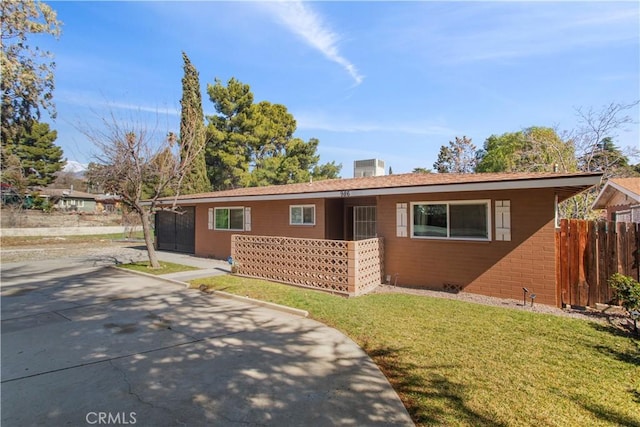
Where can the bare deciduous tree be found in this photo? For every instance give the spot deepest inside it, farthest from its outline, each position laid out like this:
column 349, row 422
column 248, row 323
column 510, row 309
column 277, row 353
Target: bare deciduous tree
column 596, row 152
column 142, row 168
column 595, row 129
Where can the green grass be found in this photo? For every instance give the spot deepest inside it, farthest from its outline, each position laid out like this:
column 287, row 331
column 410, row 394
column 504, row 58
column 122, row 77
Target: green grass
column 165, row 267
column 456, row 363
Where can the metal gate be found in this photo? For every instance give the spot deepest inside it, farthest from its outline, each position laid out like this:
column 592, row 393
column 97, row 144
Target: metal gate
column 176, row 231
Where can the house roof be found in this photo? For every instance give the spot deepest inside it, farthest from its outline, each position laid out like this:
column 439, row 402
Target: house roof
column 109, row 198
column 66, row 193
column 566, row 184
column 629, row 187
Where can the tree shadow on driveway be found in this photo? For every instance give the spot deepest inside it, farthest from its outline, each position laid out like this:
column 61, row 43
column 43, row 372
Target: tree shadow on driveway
column 130, row 344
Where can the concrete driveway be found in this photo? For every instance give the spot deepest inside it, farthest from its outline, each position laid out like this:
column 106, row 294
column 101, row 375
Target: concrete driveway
column 84, row 344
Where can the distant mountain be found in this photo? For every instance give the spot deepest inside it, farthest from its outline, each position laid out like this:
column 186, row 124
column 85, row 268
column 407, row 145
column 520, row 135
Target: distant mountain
column 75, row 167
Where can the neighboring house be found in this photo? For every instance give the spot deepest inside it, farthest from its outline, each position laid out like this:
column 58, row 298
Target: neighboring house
column 69, row 199
column 489, row 234
column 108, row 203
column 620, row 197
column 8, row 195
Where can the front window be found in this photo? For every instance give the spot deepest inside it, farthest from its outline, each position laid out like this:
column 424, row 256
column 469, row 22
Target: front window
column 229, row 219
column 468, row 220
column 302, row 215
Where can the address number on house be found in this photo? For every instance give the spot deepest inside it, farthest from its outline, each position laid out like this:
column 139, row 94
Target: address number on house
column 345, row 194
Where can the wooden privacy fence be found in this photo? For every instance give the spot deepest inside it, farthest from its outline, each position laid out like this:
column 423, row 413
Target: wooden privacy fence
column 346, row 267
column 588, row 253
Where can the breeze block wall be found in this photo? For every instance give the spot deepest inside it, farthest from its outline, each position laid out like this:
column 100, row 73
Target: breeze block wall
column 492, row 268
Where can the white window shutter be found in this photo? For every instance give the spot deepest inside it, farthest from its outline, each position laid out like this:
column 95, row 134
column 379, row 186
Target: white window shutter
column 503, row 220
column 210, row 225
column 401, row 219
column 247, row 219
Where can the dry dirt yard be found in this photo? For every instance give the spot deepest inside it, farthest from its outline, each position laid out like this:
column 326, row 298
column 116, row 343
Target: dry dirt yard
column 20, row 249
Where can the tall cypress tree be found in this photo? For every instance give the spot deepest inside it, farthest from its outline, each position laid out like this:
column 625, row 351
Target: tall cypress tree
column 192, row 131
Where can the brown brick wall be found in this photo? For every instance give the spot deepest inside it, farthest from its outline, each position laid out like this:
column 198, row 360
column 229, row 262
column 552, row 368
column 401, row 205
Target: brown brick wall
column 268, row 218
column 494, row 268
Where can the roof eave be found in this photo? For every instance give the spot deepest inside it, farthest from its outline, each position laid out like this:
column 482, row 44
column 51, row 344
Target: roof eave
column 608, row 192
column 578, row 183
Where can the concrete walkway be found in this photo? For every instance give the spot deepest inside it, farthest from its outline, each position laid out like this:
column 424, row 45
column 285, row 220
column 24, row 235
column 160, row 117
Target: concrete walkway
column 207, row 267
column 83, row 343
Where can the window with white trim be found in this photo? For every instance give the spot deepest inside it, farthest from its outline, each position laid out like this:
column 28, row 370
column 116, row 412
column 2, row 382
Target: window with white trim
column 302, row 214
column 227, row 219
column 455, row 220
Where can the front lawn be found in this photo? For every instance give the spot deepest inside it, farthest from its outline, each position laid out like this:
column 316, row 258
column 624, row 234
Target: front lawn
column 457, row 363
column 165, row 267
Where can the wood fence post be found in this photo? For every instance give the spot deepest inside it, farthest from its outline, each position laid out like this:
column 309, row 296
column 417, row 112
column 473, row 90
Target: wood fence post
column 572, row 270
column 581, row 239
column 563, row 261
column 620, row 247
column 591, row 262
column 611, row 255
column 603, row 270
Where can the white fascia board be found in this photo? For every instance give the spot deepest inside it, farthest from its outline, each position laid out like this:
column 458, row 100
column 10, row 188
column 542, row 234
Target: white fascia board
column 481, row 186
column 293, row 196
column 603, row 197
column 441, row 188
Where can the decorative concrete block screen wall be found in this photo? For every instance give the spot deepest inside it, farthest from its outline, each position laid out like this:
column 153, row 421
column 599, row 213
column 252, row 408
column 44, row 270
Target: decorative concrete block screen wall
column 346, row 267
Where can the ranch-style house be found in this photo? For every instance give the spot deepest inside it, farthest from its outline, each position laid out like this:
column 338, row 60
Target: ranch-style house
column 490, row 234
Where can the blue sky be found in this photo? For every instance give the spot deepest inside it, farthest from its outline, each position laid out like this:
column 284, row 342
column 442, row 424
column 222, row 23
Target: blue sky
column 387, row 80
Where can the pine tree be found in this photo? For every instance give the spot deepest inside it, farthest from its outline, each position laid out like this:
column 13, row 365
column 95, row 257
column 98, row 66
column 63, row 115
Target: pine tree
column 227, row 135
column 39, row 157
column 254, row 144
column 458, row 157
column 192, row 131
